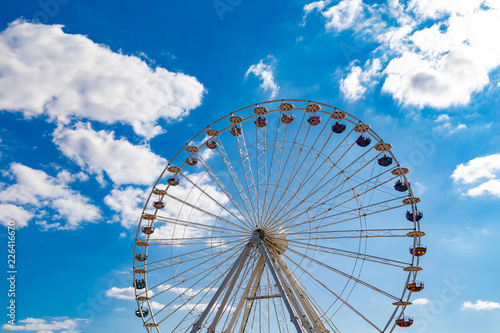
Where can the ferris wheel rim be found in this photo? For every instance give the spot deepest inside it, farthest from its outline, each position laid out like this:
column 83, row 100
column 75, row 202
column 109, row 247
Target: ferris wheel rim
column 416, row 229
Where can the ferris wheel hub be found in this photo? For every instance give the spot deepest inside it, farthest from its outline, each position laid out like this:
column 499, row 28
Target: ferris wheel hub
column 276, row 240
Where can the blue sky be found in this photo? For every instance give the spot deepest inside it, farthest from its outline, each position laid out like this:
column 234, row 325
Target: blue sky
column 96, row 97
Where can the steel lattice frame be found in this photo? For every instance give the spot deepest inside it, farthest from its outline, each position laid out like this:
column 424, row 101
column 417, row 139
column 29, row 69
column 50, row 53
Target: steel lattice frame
column 280, row 228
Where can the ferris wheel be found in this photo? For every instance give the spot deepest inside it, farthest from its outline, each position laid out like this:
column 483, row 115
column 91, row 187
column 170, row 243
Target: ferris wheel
column 280, row 217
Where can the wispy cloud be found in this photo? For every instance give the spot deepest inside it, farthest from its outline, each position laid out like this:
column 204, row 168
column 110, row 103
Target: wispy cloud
column 121, row 293
column 265, row 71
column 480, row 305
column 310, row 7
column 60, row 324
column 421, row 301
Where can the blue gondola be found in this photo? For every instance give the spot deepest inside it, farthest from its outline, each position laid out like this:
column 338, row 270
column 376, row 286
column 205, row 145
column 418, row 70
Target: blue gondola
column 385, row 161
column 363, row 141
column 401, row 187
column 410, row 216
column 338, row 128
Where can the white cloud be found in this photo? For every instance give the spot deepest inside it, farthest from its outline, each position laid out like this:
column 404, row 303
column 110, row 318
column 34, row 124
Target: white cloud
column 444, row 67
column 264, row 70
column 490, row 187
column 121, row 293
column 35, row 191
column 480, row 305
column 476, row 169
column 443, row 118
column 436, row 9
column 99, row 152
column 421, row 301
column 45, row 71
column 344, row 15
column 354, row 85
column 128, row 203
column 19, row 215
column 439, row 65
column 60, row 324
column 156, row 305
column 308, row 8
column 351, row 85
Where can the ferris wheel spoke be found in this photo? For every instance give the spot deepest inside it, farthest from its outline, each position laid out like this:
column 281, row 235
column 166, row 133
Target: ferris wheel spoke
column 349, row 277
column 249, row 177
column 335, row 295
column 219, row 183
column 261, row 148
column 201, row 210
column 198, row 226
column 349, row 254
column 160, row 264
column 338, row 234
column 296, row 161
column 214, row 200
column 341, row 217
column 345, row 194
column 240, row 190
column 304, row 179
column 188, row 241
column 282, row 169
column 276, row 160
column 359, row 164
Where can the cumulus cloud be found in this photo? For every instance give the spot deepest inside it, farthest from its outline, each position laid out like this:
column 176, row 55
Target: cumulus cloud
column 121, row 293
column 19, row 215
column 355, row 84
column 490, row 187
column 480, row 305
column 436, row 9
column 343, row 15
column 60, row 324
column 265, row 71
column 128, row 203
column 45, row 71
column 421, row 301
column 479, row 169
column 440, row 65
column 99, row 153
column 36, row 191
